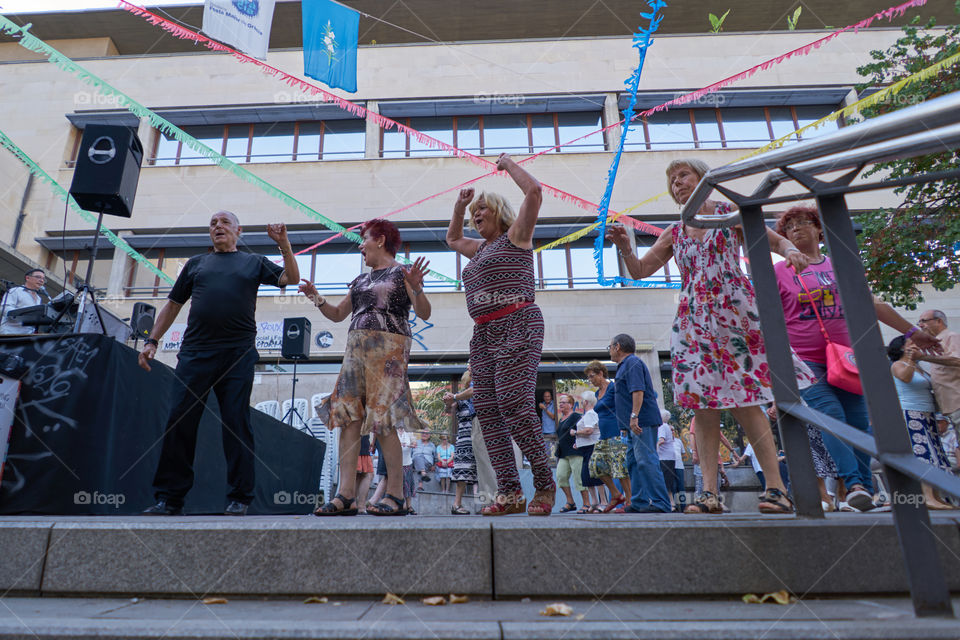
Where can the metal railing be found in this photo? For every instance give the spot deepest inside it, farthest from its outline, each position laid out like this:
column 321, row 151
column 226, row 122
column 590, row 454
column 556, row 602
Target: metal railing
column 930, row 127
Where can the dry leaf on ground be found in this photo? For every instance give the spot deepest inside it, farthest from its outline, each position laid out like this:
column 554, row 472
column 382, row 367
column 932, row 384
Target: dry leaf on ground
column 455, row 599
column 434, row 601
column 780, row 597
column 557, row 609
column 392, row 598
column 316, row 600
column 214, row 601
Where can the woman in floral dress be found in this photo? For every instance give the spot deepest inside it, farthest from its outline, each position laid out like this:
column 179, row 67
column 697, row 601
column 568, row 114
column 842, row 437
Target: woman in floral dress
column 716, row 346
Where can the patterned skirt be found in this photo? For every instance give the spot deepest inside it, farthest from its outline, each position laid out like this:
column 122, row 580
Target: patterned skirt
column 608, row 459
column 925, row 439
column 372, row 386
column 823, row 462
column 464, row 464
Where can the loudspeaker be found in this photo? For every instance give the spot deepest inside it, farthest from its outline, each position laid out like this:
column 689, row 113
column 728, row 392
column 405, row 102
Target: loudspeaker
column 107, row 170
column 296, row 339
column 141, row 319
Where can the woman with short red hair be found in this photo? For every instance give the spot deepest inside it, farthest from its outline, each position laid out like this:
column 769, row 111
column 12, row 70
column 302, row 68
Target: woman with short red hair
column 372, row 393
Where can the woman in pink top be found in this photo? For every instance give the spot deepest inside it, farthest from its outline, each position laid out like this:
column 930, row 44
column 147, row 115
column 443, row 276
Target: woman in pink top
column 801, row 225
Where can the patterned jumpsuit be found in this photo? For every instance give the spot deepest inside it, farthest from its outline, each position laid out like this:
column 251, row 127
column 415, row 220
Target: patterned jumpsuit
column 504, row 355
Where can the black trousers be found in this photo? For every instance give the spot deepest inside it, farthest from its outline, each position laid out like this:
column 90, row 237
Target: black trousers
column 229, row 374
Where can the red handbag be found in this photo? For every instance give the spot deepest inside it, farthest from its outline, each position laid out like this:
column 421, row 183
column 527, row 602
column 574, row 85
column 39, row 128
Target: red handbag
column 842, row 369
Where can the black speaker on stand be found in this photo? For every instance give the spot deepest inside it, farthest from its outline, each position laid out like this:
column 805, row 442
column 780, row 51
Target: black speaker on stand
column 105, row 181
column 295, row 346
column 141, row 321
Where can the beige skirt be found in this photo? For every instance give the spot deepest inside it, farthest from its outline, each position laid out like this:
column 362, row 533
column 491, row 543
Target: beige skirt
column 373, row 386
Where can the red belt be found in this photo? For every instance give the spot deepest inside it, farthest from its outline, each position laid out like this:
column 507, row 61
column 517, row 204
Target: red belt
column 499, row 313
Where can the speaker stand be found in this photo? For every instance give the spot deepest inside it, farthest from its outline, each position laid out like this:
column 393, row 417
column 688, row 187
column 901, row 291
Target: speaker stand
column 292, row 411
column 86, row 288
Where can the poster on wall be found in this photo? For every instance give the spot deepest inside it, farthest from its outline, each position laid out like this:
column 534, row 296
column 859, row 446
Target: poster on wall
column 9, row 392
column 269, row 335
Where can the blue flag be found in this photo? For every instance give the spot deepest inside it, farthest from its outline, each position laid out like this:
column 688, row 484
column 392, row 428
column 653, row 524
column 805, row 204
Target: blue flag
column 330, row 34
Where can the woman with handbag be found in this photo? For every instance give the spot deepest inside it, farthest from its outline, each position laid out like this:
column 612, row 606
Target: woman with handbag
column 818, row 334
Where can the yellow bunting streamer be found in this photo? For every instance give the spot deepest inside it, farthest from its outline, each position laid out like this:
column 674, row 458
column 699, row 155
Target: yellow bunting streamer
column 849, row 110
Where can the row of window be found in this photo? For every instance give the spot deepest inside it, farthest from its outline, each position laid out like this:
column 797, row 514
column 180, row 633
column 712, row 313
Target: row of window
column 702, row 128
column 567, row 267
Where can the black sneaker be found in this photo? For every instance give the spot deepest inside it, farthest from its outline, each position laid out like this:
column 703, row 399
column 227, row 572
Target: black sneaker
column 235, row 509
column 163, row 508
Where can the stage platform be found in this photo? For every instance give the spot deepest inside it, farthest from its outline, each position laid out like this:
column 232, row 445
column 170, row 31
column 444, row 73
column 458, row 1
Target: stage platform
column 511, row 557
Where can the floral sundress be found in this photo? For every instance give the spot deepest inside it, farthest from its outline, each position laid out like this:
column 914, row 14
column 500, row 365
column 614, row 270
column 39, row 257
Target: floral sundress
column 716, row 345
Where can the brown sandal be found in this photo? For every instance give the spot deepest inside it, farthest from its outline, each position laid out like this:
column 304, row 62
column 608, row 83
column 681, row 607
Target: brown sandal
column 505, row 505
column 542, row 503
column 706, row 502
column 775, row 501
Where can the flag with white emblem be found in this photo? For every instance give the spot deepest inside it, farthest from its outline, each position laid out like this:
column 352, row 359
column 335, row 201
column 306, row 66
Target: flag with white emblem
column 330, row 35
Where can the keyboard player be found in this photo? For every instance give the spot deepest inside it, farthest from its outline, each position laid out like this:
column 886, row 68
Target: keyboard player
column 27, row 295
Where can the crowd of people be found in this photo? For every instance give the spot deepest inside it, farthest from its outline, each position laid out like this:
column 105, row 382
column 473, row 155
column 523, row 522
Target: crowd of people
column 615, row 446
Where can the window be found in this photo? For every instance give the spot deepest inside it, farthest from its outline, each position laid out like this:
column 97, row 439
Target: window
column 810, row 114
column 575, row 124
column 210, row 135
column 554, row 263
column 439, row 128
column 781, row 121
column 344, row 139
column 670, row 130
column 584, row 267
column 505, row 134
column 745, row 127
column 708, row 130
column 167, row 149
column 238, row 142
column 272, row 142
column 308, row 141
column 468, row 133
column 444, row 262
column 543, row 132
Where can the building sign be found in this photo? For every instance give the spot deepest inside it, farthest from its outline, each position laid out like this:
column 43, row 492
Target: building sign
column 269, row 335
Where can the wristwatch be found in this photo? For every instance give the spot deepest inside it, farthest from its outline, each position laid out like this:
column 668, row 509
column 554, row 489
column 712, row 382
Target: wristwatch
column 632, row 416
column 152, row 341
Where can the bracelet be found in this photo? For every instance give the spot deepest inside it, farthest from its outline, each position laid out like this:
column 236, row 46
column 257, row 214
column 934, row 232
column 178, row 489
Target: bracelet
column 319, row 302
column 791, row 249
column 152, row 341
column 415, row 292
column 909, row 333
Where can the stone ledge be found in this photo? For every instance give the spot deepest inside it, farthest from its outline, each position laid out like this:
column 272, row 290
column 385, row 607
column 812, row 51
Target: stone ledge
column 24, row 548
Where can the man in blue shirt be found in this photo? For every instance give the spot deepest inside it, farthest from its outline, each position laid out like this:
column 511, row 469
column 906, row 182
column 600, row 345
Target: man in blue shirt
column 639, row 415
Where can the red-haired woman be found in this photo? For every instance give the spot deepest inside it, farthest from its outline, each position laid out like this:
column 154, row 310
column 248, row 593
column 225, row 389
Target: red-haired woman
column 801, row 225
column 507, row 335
column 372, row 393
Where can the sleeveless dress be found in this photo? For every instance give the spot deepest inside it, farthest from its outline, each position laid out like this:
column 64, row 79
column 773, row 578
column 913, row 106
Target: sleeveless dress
column 716, row 345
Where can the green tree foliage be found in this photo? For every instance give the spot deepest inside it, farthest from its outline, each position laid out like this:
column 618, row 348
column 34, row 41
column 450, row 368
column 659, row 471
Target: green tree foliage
column 915, row 242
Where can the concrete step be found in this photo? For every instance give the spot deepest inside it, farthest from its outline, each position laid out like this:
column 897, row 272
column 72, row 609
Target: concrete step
column 505, row 557
column 592, row 619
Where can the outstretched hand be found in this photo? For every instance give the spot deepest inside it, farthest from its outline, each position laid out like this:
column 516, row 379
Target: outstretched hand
column 413, row 274
column 308, row 289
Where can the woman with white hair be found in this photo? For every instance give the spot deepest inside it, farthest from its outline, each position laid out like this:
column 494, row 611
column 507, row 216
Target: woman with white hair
column 716, row 346
column 588, row 434
column 507, row 335
column 668, row 455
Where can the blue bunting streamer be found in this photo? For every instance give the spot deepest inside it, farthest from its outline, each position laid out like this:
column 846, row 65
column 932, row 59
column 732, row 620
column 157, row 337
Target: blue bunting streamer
column 641, row 42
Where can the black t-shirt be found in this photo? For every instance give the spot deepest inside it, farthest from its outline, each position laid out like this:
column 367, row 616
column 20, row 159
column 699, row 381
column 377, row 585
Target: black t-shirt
column 565, row 441
column 224, row 291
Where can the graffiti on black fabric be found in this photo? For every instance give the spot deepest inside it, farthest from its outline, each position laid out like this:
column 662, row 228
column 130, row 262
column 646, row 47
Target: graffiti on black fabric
column 60, row 365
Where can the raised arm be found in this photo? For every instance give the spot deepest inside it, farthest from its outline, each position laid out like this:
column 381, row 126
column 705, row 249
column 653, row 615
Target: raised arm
column 652, row 261
column 889, row 316
column 334, row 313
column 413, row 280
column 785, row 248
column 455, row 240
column 291, row 270
column 521, row 231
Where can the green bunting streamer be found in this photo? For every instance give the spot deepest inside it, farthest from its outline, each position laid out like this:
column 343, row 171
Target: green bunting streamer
column 32, row 43
column 63, row 194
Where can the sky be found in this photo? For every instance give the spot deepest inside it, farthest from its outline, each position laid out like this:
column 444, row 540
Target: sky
column 37, row 6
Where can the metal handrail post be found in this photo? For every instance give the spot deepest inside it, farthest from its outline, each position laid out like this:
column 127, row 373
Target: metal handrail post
column 928, row 586
column 793, row 433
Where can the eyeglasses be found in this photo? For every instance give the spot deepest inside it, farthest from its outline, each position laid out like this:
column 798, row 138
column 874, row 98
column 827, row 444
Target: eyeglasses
column 926, row 320
column 799, row 224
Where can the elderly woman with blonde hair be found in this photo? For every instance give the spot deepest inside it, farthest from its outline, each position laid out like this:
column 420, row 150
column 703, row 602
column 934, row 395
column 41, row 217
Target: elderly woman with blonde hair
column 716, row 345
column 507, row 335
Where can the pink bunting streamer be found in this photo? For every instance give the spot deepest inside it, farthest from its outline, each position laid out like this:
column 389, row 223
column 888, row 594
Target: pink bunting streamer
column 381, row 121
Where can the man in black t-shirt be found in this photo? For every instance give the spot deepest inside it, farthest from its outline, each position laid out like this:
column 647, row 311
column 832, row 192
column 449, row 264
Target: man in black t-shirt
column 218, row 354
